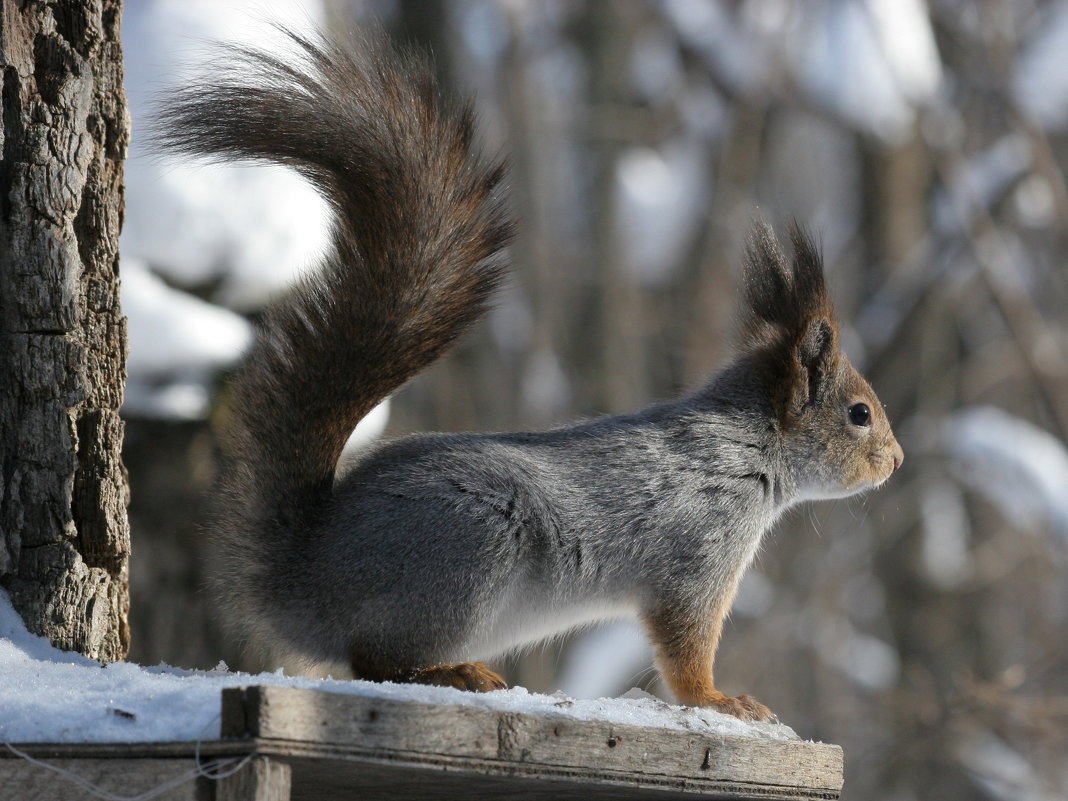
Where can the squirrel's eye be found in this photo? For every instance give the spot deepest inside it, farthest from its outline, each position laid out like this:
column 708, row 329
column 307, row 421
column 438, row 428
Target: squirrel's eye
column 860, row 414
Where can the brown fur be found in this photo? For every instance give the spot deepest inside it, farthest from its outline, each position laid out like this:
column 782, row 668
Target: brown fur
column 685, row 656
column 472, row 676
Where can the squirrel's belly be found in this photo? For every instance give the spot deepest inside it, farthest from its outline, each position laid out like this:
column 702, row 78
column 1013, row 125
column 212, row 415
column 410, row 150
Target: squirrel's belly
column 525, row 621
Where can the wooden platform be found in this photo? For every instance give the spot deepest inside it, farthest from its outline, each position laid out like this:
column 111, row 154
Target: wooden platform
column 305, row 744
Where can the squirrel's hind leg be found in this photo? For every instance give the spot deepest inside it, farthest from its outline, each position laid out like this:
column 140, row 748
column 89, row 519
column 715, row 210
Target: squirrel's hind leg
column 471, row 676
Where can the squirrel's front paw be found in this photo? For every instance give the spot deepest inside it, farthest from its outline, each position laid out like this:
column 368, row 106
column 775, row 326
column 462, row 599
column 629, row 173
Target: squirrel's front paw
column 744, row 707
column 472, row 676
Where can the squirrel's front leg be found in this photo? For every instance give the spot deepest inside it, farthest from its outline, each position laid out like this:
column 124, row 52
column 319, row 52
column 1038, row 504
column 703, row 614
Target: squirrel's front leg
column 685, row 641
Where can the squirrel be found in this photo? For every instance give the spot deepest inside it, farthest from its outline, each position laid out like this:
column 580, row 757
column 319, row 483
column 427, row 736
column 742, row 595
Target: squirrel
column 432, row 552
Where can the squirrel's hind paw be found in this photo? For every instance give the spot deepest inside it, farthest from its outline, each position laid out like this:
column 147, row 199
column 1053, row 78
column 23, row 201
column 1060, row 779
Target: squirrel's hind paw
column 472, row 676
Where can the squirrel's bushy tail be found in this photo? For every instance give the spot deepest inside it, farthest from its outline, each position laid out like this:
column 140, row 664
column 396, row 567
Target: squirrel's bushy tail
column 413, row 261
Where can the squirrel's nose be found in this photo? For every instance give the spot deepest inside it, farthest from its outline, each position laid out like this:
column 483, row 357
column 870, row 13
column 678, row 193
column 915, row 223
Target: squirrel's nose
column 899, row 457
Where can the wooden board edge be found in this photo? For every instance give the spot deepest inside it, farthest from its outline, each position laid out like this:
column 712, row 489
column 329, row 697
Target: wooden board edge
column 290, row 715
column 297, row 750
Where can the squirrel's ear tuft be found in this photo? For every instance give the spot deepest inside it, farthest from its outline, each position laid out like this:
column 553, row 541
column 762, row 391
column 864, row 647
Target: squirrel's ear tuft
column 809, row 288
column 766, row 285
column 787, row 313
column 781, row 297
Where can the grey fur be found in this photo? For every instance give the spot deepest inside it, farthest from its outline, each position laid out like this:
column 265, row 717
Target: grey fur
column 467, row 542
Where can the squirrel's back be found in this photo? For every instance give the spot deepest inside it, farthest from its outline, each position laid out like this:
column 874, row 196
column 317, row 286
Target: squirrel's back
column 413, row 260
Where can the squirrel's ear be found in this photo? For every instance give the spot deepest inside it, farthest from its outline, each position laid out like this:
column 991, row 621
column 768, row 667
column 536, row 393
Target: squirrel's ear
column 817, row 357
column 816, row 337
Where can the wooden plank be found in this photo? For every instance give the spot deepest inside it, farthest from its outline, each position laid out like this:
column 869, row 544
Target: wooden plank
column 378, row 778
column 260, row 779
column 21, row 780
column 429, row 738
column 311, row 716
column 531, row 738
column 371, row 779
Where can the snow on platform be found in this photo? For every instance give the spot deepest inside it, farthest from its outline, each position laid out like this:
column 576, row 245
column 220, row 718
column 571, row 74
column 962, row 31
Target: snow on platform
column 52, row 696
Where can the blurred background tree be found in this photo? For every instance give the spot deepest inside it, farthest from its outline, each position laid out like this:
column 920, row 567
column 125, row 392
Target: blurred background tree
column 922, row 626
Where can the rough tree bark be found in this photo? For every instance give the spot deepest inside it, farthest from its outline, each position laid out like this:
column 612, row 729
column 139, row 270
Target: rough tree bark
column 64, row 537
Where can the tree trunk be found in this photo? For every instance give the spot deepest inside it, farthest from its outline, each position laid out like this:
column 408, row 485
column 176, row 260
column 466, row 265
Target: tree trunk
column 64, row 537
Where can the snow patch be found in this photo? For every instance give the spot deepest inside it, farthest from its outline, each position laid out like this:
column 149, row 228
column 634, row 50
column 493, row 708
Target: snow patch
column 1020, row 468
column 51, row 696
column 871, row 62
column 177, row 341
column 658, row 196
column 253, row 226
column 1040, row 82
